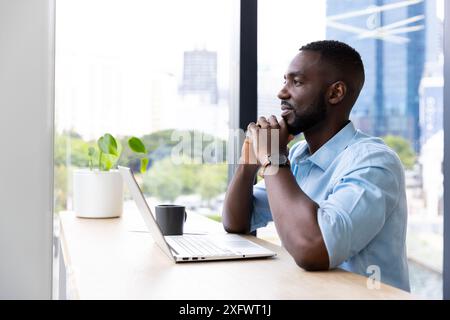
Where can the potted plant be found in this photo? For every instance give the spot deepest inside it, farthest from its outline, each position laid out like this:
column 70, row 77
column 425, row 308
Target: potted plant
column 98, row 190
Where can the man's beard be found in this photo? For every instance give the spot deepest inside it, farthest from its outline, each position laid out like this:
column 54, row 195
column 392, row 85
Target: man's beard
column 311, row 116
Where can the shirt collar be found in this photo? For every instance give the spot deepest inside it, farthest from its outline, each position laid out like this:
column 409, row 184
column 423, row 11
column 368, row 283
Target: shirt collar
column 331, row 149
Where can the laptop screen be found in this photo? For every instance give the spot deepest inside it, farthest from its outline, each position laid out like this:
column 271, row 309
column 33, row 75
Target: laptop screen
column 143, row 207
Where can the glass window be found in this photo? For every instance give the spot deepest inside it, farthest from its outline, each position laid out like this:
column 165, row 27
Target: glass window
column 146, row 69
column 401, row 46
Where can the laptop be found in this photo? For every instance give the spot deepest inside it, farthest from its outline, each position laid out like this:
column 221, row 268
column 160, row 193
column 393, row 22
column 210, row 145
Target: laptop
column 193, row 247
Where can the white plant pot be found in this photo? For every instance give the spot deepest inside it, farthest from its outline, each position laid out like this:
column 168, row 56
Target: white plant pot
column 97, row 194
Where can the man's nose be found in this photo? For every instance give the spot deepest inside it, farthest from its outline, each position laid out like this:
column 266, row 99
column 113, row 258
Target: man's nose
column 283, row 94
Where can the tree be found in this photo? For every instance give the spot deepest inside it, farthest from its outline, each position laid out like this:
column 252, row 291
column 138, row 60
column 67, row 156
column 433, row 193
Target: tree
column 60, row 192
column 212, row 180
column 403, row 149
column 74, row 148
column 160, row 145
column 163, row 181
column 167, row 181
column 70, row 150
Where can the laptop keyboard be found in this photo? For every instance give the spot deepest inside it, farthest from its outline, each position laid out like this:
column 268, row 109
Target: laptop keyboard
column 200, row 246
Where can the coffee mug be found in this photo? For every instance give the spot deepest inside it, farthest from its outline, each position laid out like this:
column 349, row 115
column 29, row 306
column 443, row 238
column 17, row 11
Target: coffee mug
column 170, row 219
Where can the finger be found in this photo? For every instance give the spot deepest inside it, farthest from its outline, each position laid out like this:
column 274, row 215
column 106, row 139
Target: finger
column 252, row 127
column 251, row 154
column 247, row 146
column 265, row 138
column 274, row 122
column 263, row 123
column 252, row 132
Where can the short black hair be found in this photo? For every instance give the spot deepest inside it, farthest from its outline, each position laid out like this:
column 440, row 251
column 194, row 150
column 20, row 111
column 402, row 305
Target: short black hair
column 340, row 55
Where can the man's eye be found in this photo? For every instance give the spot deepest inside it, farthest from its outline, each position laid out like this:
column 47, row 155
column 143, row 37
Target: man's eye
column 297, row 83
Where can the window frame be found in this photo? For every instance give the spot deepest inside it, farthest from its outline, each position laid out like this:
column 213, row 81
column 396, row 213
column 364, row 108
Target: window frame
column 246, row 109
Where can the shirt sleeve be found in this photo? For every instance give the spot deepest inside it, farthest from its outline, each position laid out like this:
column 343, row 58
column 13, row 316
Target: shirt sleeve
column 261, row 214
column 355, row 211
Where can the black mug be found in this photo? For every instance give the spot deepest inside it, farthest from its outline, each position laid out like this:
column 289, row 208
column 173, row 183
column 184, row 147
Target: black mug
column 170, row 219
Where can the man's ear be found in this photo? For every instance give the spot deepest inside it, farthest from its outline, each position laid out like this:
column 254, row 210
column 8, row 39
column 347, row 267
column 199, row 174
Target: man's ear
column 336, row 92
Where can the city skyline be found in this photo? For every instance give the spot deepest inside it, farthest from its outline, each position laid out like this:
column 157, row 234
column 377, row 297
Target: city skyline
column 124, row 77
column 108, row 85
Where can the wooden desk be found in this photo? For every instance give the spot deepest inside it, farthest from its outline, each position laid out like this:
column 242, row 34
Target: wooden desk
column 117, row 259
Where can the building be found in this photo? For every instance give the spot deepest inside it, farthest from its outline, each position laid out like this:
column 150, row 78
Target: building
column 432, row 83
column 431, row 160
column 431, row 106
column 390, row 36
column 200, row 75
column 431, row 114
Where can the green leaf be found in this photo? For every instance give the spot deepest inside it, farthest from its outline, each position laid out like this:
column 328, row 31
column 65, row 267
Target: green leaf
column 107, row 163
column 107, row 144
column 102, row 145
column 136, row 145
column 144, row 163
column 109, row 160
column 91, row 151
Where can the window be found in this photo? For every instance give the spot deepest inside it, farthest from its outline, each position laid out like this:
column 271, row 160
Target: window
column 146, row 69
column 401, row 44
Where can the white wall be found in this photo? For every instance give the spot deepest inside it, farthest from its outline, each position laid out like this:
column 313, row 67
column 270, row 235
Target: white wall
column 26, row 148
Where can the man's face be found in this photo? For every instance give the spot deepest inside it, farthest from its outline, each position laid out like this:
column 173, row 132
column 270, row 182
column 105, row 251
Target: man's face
column 303, row 94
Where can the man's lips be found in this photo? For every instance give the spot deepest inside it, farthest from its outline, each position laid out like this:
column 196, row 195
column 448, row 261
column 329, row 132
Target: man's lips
column 286, row 111
column 286, row 105
column 286, row 108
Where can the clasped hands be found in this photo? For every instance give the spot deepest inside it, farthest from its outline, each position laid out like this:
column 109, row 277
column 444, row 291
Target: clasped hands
column 263, row 138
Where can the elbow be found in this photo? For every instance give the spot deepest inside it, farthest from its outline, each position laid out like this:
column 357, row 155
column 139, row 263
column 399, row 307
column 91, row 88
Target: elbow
column 312, row 259
column 309, row 265
column 227, row 227
column 233, row 229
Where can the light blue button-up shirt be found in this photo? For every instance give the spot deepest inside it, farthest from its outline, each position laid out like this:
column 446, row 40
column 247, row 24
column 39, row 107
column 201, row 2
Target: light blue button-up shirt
column 359, row 185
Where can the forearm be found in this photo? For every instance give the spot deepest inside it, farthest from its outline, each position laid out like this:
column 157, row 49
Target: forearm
column 238, row 202
column 295, row 217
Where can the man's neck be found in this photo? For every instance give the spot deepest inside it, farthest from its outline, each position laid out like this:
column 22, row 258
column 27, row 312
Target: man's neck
column 318, row 135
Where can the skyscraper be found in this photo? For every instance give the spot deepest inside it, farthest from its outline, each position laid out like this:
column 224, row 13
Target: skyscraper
column 200, row 74
column 390, row 36
column 432, row 83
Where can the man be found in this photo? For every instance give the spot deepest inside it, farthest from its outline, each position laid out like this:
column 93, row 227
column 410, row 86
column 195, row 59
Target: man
column 339, row 199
